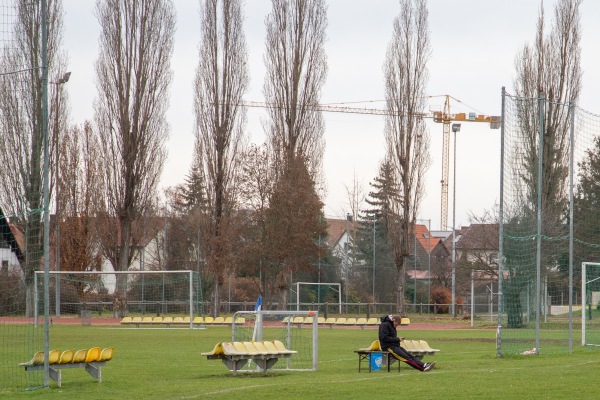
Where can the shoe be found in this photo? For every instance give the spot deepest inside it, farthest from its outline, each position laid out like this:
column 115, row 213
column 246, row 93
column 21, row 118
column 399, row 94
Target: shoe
column 429, row 366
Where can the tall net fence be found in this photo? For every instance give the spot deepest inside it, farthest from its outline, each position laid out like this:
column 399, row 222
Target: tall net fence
column 21, row 194
column 550, row 222
column 20, row 336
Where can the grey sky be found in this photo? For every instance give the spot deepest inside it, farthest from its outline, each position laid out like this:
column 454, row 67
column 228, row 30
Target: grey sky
column 474, row 45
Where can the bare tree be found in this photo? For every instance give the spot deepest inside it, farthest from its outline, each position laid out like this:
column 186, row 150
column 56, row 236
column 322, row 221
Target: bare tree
column 550, row 68
column 133, row 77
column 21, row 175
column 80, row 181
column 221, row 81
column 296, row 70
column 407, row 140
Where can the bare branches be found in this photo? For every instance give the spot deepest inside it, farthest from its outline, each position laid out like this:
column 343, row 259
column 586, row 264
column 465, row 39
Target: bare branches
column 133, row 76
column 221, row 81
column 407, row 140
column 296, row 70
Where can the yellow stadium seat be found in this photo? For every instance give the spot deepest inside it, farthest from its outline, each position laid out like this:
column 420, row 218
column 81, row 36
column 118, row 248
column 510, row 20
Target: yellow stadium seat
column 186, row 320
column 298, row 320
column 350, row 321
column 126, row 320
column 375, row 346
column 147, row 320
column 92, row 354
column 340, row 321
column 157, row 320
column 240, row 348
column 308, row 320
column 228, row 320
column 330, row 321
column 38, row 358
column 66, row 357
column 136, row 320
column 251, row 348
column 178, row 320
column 198, row 320
column 209, row 320
column 285, row 320
column 321, row 320
column 167, row 320
column 262, row 349
column 281, row 348
column 107, row 354
column 373, row 321
column 404, row 321
column 361, row 321
column 218, row 349
column 240, row 320
column 53, row 356
column 219, row 320
column 425, row 346
column 79, row 356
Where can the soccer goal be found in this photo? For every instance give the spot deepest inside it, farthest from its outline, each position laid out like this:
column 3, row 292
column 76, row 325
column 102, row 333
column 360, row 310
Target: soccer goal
column 318, row 293
column 115, row 294
column 590, row 299
column 297, row 330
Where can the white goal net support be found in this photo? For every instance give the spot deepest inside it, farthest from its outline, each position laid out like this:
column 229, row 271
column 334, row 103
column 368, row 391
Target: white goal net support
column 116, row 294
column 297, row 330
column 590, row 300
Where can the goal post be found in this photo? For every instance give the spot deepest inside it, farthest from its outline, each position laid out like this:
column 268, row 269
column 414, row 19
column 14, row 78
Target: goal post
column 590, row 298
column 141, row 293
column 297, row 330
column 339, row 291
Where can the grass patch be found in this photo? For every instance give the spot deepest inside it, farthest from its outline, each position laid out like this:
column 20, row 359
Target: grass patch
column 166, row 364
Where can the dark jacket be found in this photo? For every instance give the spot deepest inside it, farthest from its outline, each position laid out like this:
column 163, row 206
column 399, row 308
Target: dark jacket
column 388, row 337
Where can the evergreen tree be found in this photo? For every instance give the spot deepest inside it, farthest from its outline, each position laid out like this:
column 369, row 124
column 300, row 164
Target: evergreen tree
column 372, row 245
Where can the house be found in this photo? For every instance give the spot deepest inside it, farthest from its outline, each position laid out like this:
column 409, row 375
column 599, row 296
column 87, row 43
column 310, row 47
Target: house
column 430, row 255
column 11, row 243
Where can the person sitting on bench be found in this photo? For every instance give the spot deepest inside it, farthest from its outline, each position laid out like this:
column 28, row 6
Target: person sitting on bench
column 389, row 340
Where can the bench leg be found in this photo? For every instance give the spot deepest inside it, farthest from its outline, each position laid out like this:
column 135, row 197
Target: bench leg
column 95, row 372
column 55, row 375
column 234, row 365
column 265, row 364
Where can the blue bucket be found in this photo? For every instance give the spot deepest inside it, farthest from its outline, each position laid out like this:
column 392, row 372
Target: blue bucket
column 376, row 361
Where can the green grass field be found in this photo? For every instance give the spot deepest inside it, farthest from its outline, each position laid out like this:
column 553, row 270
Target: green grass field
column 166, row 364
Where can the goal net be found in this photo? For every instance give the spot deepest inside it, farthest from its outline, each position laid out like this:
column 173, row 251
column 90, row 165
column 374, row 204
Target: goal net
column 590, row 295
column 297, row 330
column 93, row 294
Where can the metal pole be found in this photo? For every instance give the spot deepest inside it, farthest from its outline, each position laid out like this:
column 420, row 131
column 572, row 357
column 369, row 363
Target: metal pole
column 538, row 267
column 429, row 266
column 571, row 228
column 46, row 184
column 472, row 296
column 56, row 217
column 373, row 258
column 454, row 234
column 501, row 232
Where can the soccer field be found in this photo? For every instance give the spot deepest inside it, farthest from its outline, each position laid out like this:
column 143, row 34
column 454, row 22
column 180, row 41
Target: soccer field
column 166, row 364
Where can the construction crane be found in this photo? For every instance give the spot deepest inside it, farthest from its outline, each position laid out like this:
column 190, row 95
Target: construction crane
column 444, row 117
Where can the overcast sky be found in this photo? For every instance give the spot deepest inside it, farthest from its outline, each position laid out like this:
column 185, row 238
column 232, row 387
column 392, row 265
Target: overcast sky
column 474, row 45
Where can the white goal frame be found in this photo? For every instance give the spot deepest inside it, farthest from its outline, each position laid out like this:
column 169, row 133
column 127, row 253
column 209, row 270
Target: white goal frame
column 181, row 272
column 288, row 325
column 584, row 304
column 339, row 290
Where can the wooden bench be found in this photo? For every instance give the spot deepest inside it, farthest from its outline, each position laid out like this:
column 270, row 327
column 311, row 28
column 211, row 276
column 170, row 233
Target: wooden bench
column 92, row 360
column 418, row 348
column 235, row 355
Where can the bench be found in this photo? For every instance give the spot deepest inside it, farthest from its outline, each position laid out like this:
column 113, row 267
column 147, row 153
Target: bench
column 368, row 352
column 92, row 360
column 418, row 348
column 235, row 355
